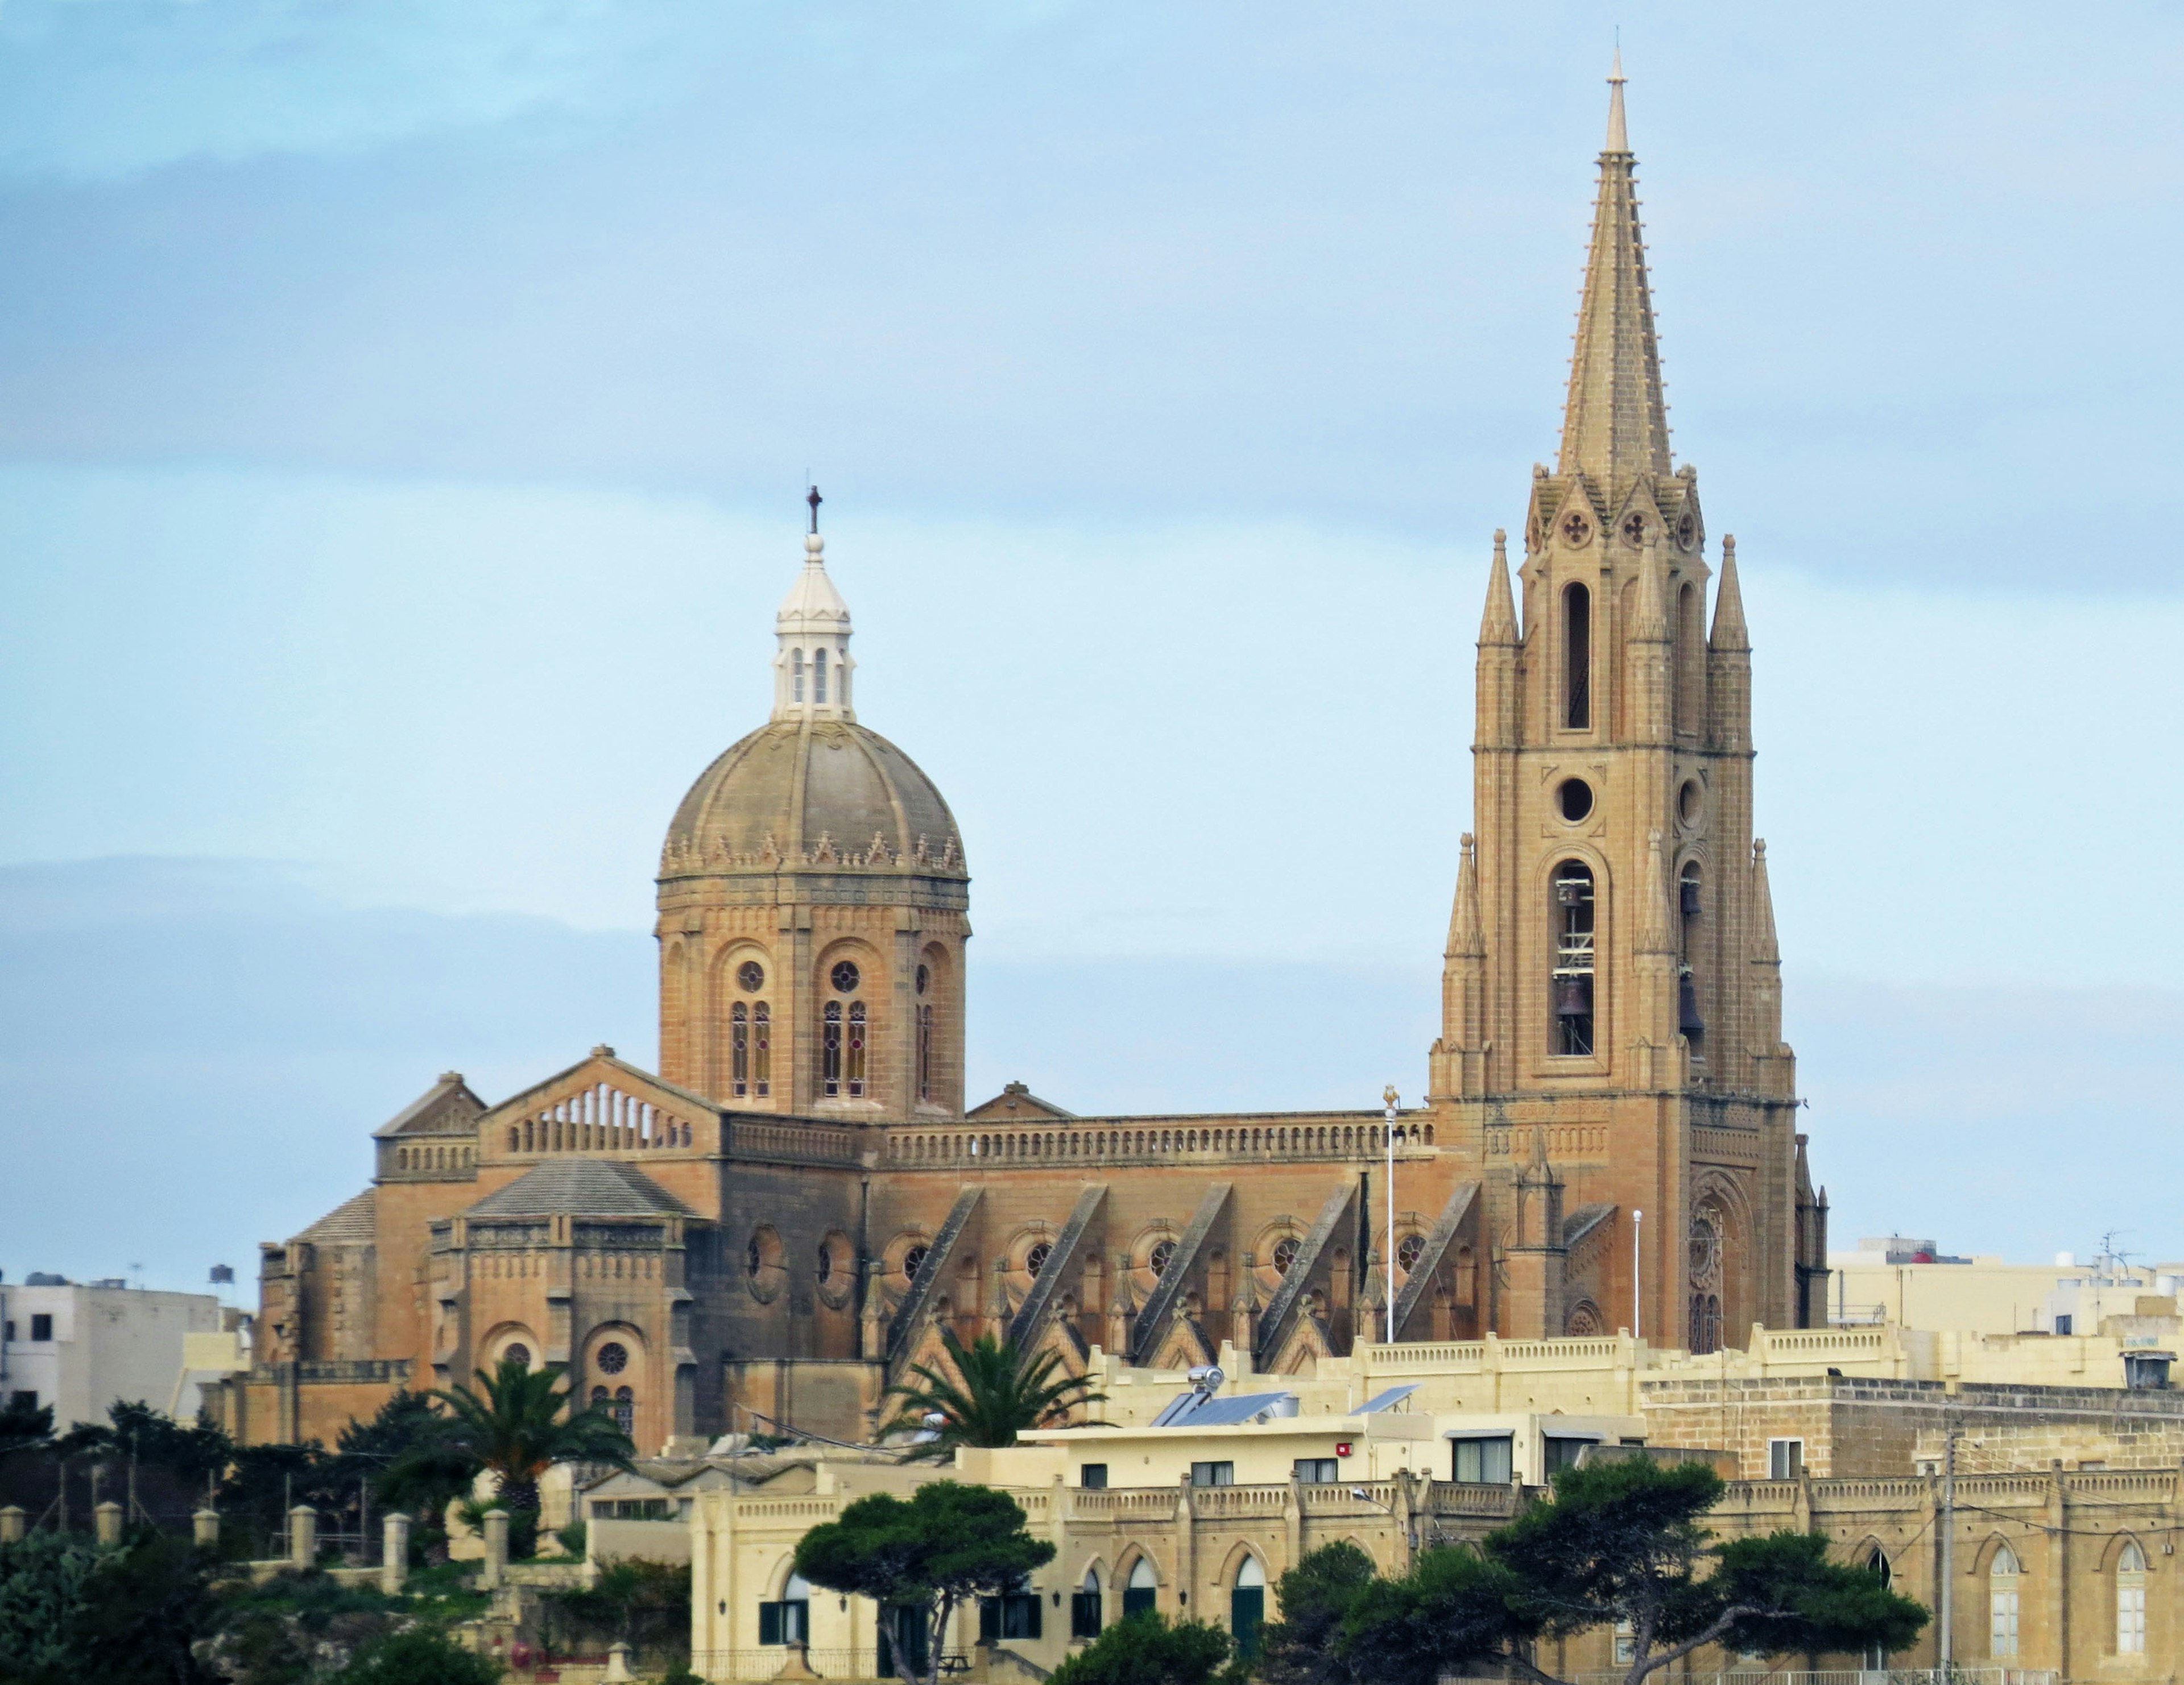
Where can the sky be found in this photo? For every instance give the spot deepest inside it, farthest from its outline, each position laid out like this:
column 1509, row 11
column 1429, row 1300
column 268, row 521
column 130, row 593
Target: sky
column 405, row 411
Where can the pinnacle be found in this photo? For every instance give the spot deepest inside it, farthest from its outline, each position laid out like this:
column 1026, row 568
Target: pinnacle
column 1765, row 949
column 1498, row 625
column 1467, row 931
column 1729, row 633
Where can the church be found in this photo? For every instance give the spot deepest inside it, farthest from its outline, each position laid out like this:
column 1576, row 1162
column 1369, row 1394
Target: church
column 772, row 1227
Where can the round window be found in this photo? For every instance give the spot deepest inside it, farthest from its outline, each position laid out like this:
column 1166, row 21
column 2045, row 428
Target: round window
column 518, row 1353
column 924, row 978
column 612, row 1358
column 1575, row 797
column 1035, row 1260
column 1688, row 800
column 914, row 1260
column 1286, row 1252
column 846, row 976
column 751, row 976
column 1160, row 1257
column 1409, row 1250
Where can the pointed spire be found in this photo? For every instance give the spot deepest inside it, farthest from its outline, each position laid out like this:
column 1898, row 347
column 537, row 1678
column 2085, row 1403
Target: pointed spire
column 1729, row 633
column 1615, row 426
column 1498, row 625
column 812, row 664
column 1656, row 931
column 1618, row 137
column 1765, row 950
column 1466, row 931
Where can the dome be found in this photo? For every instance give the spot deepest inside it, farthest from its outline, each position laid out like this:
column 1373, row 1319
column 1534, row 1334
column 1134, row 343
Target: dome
column 815, row 792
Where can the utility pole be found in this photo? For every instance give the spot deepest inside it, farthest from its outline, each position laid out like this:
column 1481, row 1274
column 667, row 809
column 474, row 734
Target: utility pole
column 1948, row 1597
column 1637, row 1272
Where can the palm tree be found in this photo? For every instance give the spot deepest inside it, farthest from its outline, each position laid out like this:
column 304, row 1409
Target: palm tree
column 994, row 1395
column 514, row 1427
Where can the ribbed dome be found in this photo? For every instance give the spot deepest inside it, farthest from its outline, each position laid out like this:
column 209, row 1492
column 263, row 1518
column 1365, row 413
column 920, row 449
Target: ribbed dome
column 814, row 792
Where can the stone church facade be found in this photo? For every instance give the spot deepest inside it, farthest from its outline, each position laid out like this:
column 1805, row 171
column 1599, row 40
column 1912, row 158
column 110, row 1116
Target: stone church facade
column 780, row 1220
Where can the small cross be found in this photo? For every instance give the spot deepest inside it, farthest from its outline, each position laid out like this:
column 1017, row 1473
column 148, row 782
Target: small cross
column 815, row 500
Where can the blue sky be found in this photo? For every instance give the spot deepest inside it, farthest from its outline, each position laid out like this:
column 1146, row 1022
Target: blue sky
column 403, row 411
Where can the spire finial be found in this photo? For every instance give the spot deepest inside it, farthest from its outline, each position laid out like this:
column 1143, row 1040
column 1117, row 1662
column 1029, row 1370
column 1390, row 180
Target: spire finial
column 1619, row 138
column 1615, row 427
column 813, row 498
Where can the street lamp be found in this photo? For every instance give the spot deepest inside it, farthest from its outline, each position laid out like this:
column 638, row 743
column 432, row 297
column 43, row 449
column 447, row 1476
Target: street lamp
column 1391, row 1099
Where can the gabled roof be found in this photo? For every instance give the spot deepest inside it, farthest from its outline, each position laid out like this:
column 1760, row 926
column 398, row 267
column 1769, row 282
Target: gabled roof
column 579, row 1186
column 1018, row 1101
column 605, row 1061
column 354, row 1224
column 447, row 1108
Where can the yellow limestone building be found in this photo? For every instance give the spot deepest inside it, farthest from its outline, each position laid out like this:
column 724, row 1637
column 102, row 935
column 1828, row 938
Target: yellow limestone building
column 787, row 1214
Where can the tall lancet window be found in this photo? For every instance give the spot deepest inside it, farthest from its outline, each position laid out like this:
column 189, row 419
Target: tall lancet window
column 1572, row 914
column 796, row 675
column 739, row 1050
column 761, row 1050
column 1690, row 901
column 853, row 1061
column 1577, row 658
column 819, row 676
column 830, row 1050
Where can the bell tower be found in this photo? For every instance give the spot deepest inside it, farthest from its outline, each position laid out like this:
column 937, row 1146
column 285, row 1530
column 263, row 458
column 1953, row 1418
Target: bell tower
column 1611, row 996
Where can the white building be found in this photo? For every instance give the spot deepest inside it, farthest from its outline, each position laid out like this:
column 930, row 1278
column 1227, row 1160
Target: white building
column 79, row 1347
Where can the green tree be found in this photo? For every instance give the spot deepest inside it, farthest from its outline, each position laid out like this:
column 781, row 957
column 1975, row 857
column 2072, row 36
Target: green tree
column 994, row 1395
column 44, row 1591
column 920, row 1558
column 122, row 1614
column 636, row 1601
column 1313, row 1596
column 516, row 1426
column 418, row 1655
column 1454, row 1602
column 148, row 1602
column 1621, row 1543
column 1147, row 1649
column 25, row 1425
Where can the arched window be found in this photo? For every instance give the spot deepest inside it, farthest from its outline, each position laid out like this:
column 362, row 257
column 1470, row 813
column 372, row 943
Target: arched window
column 1141, row 1593
column 786, row 1620
column 1573, row 915
column 2131, row 1601
column 625, row 1409
column 830, row 1050
column 739, row 1050
column 1689, row 903
column 796, row 675
column 2002, row 1604
column 924, row 1053
column 1876, row 1658
column 1577, row 658
column 819, row 676
column 761, row 1050
column 853, row 1062
column 1085, row 1618
column 1247, row 1607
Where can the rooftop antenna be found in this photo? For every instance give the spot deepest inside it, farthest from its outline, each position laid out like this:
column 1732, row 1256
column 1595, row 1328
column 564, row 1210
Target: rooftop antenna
column 813, row 498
